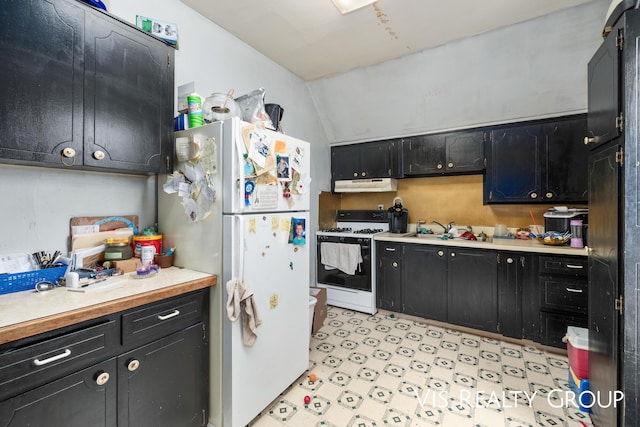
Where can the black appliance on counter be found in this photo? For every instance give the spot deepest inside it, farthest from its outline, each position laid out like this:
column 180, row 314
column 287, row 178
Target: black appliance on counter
column 398, row 217
column 560, row 219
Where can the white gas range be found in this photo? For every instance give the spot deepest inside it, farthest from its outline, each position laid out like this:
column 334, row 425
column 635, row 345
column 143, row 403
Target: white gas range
column 346, row 264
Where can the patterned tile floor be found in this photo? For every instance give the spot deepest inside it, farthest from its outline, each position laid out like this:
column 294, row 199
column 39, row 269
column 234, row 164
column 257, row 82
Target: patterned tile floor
column 388, row 371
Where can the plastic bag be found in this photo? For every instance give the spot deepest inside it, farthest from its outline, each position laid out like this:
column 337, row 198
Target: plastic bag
column 252, row 107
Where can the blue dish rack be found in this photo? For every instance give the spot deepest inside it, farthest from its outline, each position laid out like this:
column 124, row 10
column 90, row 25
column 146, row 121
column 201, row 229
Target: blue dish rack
column 16, row 282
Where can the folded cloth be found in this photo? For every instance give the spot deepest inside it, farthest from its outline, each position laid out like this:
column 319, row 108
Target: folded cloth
column 343, row 256
column 240, row 303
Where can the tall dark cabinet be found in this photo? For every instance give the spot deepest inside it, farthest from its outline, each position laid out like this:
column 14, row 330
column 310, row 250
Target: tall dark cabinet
column 614, row 220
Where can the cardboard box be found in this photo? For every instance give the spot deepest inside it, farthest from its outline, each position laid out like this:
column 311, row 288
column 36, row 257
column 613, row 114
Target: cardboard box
column 127, row 265
column 321, row 307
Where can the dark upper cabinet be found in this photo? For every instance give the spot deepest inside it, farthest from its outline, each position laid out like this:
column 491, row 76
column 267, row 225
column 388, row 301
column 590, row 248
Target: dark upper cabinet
column 605, row 118
column 453, row 152
column 377, row 159
column 513, row 165
column 41, row 79
column 566, row 161
column 83, row 90
column 542, row 162
column 128, row 98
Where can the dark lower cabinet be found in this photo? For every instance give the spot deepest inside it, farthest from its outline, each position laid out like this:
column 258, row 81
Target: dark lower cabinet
column 455, row 285
column 389, row 275
column 424, row 287
column 472, row 290
column 515, row 319
column 563, row 297
column 517, row 294
column 85, row 398
column 159, row 380
column 161, row 384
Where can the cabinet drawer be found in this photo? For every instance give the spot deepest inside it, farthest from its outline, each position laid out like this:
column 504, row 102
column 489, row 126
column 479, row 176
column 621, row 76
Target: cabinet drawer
column 564, row 294
column 553, row 327
column 39, row 362
column 160, row 319
column 564, row 265
column 389, row 249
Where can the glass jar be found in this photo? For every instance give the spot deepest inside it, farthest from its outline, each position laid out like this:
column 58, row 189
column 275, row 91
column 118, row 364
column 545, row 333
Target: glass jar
column 118, row 251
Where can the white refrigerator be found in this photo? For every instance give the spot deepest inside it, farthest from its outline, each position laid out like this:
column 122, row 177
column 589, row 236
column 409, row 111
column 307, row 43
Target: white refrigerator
column 247, row 233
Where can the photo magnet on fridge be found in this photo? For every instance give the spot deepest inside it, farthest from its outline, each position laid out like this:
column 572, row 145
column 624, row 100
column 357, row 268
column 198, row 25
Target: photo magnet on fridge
column 298, row 232
column 283, row 168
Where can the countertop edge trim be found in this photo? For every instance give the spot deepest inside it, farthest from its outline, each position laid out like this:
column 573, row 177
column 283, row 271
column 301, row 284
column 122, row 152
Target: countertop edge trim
column 49, row 323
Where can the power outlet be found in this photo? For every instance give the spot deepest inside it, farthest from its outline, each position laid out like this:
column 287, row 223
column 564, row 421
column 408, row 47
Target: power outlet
column 380, row 207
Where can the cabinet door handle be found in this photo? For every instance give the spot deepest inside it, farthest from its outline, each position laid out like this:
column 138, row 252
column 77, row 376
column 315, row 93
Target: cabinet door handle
column 390, row 249
column 102, row 378
column 133, row 365
column 591, row 140
column 355, row 174
column 174, row 313
column 450, row 165
column 534, row 195
column 439, row 166
column 453, row 254
column 394, row 264
column 574, row 290
column 440, row 253
column 578, row 267
column 549, row 195
column 509, row 260
column 39, row 362
column 364, row 174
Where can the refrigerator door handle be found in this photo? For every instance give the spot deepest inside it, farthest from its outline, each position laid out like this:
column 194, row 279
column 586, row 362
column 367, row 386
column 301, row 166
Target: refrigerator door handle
column 237, row 263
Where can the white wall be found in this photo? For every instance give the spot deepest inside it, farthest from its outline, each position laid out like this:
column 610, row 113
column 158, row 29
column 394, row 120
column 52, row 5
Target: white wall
column 531, row 70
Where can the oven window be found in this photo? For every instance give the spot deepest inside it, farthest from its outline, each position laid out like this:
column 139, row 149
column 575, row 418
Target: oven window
column 360, row 280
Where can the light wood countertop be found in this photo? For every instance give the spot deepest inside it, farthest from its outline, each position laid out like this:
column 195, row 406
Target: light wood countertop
column 27, row 313
column 514, row 245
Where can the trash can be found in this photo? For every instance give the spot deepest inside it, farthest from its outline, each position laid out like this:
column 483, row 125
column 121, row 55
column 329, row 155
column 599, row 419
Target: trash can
column 312, row 310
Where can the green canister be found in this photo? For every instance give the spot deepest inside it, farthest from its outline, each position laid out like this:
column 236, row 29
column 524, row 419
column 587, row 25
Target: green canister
column 194, row 103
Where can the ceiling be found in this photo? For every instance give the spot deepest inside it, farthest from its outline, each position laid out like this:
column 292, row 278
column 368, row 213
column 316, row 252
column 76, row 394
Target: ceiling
column 313, row 40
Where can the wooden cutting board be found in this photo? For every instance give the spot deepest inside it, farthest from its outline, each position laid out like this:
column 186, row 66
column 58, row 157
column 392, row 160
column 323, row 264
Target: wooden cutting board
column 106, row 222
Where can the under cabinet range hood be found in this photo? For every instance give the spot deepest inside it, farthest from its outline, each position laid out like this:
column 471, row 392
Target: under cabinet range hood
column 373, row 185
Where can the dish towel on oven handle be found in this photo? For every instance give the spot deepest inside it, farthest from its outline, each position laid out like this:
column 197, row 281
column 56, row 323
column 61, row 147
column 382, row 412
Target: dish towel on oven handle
column 345, row 257
column 240, row 303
